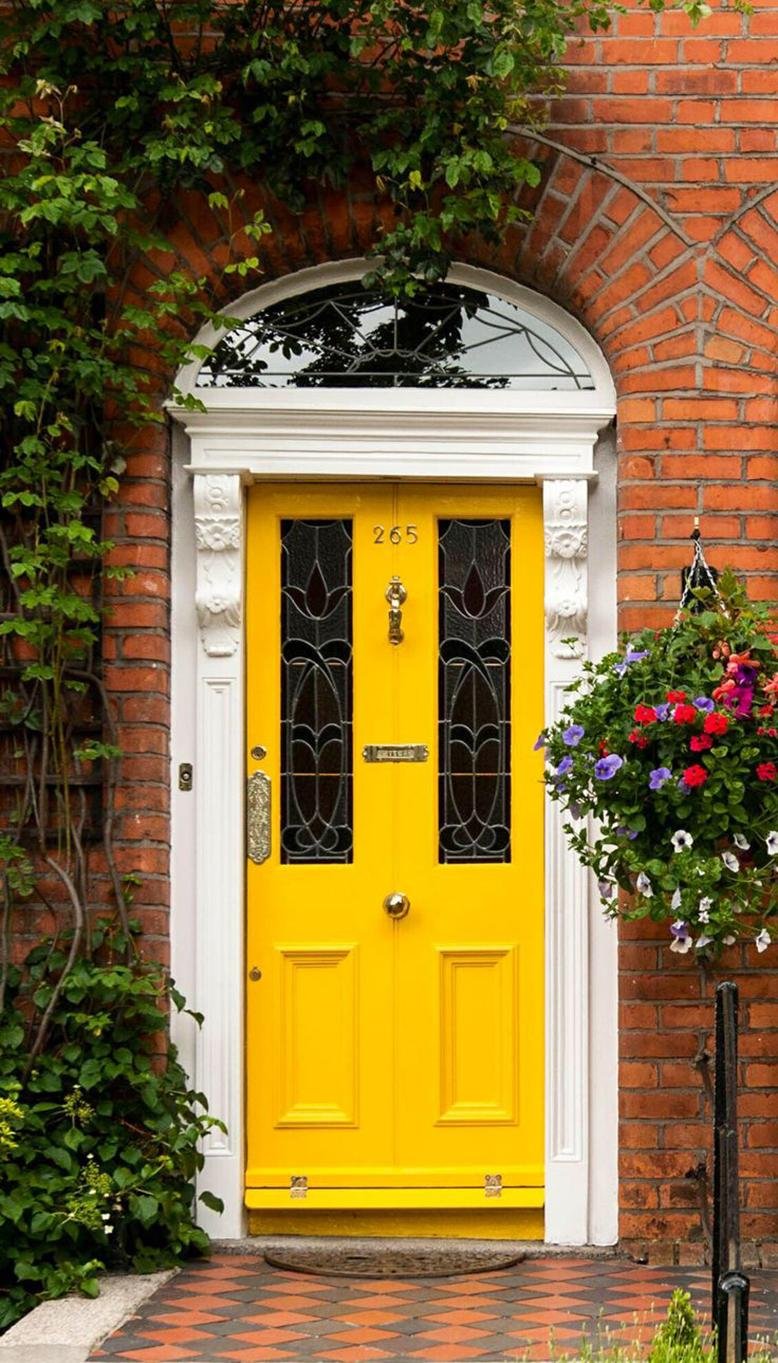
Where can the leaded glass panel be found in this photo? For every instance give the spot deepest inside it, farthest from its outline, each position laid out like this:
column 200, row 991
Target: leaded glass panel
column 316, row 691
column 474, row 686
column 446, row 336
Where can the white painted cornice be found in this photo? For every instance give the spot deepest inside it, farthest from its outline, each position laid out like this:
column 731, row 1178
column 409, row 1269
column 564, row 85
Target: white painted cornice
column 480, row 436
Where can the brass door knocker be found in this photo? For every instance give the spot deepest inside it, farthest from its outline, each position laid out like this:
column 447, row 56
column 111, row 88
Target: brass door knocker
column 396, row 595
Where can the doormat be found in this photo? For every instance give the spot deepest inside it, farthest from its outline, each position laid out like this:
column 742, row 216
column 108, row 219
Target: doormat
column 437, row 1261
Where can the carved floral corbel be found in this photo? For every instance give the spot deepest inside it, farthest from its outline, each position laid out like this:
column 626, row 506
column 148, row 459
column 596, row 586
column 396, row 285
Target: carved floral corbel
column 218, row 596
column 566, row 540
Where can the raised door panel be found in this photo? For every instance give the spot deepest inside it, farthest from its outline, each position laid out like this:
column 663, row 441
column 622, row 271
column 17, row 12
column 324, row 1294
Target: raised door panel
column 477, row 1018
column 318, row 1056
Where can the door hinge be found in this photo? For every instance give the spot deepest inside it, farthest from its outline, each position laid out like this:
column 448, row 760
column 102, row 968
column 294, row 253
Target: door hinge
column 492, row 1185
column 298, row 1185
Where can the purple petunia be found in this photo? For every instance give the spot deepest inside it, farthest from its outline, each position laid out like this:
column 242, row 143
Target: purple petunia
column 564, row 766
column 704, row 703
column 633, row 655
column 540, row 741
column 663, row 710
column 572, row 736
column 657, row 777
column 607, row 767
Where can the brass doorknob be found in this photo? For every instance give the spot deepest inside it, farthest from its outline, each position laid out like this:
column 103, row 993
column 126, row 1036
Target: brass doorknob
column 397, row 905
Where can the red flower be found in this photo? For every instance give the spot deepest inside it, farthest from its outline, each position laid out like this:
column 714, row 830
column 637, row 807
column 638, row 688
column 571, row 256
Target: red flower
column 726, row 686
column 699, row 742
column 695, row 776
column 639, row 739
column 603, row 748
column 715, row 724
column 684, row 714
column 675, row 697
column 766, row 710
column 767, row 733
column 645, row 714
column 767, row 771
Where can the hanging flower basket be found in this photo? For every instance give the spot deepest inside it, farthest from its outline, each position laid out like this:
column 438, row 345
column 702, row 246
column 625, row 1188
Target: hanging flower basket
column 665, row 760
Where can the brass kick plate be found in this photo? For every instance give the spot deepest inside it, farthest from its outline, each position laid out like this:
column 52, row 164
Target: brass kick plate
column 395, row 752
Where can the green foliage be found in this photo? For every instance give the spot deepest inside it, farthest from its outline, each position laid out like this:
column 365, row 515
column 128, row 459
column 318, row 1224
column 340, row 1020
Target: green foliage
column 679, row 1338
column 672, row 747
column 99, row 1140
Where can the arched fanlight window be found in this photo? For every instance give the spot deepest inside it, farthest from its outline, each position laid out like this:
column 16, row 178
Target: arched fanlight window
column 344, row 335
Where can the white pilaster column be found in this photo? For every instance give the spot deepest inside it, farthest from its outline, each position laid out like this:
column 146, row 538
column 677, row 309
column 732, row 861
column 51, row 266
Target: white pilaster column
column 567, row 890
column 219, row 782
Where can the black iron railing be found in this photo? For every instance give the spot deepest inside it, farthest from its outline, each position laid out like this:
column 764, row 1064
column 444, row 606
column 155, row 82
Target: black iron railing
column 730, row 1285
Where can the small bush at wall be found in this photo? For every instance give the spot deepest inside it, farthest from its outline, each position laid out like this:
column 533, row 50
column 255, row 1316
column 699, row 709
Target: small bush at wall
column 99, row 1137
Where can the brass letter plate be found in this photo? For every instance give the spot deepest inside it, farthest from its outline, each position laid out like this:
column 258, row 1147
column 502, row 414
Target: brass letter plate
column 395, row 752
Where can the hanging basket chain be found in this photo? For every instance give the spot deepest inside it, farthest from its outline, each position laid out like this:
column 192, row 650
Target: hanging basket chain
column 700, row 574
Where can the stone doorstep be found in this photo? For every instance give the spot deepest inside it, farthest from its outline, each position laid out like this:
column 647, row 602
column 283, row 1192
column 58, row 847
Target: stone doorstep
column 66, row 1330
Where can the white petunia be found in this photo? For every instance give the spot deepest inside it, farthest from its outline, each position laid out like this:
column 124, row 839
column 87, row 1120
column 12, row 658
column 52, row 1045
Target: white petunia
column 763, row 940
column 703, row 913
column 730, row 861
column 681, row 840
column 741, row 842
column 682, row 945
column 729, row 941
column 703, row 941
column 675, row 902
column 644, row 886
column 772, row 842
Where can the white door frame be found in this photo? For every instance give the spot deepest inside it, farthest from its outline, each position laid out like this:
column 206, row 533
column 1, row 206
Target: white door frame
column 248, row 435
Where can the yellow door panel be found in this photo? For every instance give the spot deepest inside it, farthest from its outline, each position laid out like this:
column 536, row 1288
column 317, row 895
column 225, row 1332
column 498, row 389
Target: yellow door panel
column 477, row 997
column 396, row 1063
column 318, row 1066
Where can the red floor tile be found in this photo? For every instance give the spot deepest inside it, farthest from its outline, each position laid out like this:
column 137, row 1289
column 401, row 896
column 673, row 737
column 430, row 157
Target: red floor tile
column 363, row 1335
column 359, row 1317
column 265, row 1336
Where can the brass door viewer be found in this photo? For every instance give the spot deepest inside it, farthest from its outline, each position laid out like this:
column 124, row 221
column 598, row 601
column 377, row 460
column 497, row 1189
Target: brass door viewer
column 395, row 595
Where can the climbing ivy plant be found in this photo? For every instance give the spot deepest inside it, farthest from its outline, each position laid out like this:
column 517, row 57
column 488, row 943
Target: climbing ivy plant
column 108, row 112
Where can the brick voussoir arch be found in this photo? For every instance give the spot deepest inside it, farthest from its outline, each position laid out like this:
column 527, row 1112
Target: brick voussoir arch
column 689, row 338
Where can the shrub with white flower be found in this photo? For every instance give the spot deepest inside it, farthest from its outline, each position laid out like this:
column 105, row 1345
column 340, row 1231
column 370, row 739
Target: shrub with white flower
column 666, row 759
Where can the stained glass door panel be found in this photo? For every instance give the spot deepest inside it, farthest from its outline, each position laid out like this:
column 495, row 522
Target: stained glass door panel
column 393, row 1063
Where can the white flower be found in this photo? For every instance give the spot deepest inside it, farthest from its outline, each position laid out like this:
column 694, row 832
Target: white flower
column 681, row 945
column 703, row 913
column 730, row 861
column 644, row 886
column 675, row 902
column 729, row 941
column 681, row 839
column 741, row 842
column 772, row 842
column 703, row 941
column 763, row 940
column 108, row 1230
column 106, row 1216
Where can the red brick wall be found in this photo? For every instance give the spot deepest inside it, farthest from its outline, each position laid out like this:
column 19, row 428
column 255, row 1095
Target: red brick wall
column 656, row 224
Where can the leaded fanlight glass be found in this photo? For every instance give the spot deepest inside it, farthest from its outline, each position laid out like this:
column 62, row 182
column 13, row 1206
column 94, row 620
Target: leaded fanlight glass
column 474, row 682
column 345, row 335
column 316, row 691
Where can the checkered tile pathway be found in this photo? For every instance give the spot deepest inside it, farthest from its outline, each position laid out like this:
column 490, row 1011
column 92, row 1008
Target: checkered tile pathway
column 235, row 1307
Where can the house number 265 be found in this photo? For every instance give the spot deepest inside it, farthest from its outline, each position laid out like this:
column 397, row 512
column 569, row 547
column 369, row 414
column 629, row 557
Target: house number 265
column 395, row 535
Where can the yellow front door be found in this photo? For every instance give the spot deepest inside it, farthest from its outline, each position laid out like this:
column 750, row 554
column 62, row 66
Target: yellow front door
column 395, row 895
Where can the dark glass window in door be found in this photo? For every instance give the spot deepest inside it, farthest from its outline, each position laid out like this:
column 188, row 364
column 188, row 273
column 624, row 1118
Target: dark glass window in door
column 474, row 684
column 316, row 691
